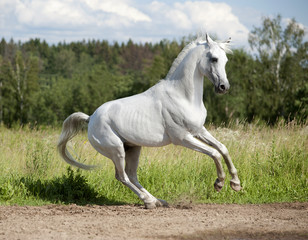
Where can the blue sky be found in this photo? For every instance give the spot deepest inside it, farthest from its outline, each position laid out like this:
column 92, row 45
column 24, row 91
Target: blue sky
column 140, row 20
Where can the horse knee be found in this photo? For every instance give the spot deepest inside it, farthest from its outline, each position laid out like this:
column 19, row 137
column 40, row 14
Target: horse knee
column 123, row 179
column 224, row 150
column 216, row 155
column 133, row 179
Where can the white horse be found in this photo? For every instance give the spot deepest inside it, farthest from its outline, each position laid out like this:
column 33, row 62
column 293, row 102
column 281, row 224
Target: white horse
column 172, row 111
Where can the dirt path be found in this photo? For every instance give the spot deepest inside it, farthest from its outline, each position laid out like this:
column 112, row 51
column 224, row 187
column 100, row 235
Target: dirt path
column 204, row 221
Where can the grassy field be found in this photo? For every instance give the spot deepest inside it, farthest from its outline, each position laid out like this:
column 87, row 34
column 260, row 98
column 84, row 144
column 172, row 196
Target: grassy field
column 272, row 165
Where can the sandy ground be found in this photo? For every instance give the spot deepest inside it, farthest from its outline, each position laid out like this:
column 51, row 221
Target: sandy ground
column 182, row 221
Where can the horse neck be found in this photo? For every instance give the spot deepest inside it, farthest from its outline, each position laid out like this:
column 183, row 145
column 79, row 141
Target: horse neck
column 187, row 78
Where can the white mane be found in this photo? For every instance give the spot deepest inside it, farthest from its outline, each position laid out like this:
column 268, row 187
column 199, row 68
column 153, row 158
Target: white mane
column 182, row 55
column 202, row 39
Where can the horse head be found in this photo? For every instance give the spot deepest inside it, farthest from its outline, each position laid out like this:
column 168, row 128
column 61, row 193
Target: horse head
column 213, row 61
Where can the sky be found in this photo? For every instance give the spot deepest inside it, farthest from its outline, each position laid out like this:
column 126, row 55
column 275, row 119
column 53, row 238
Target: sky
column 141, row 20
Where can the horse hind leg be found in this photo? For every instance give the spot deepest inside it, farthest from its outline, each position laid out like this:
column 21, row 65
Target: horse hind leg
column 119, row 162
column 113, row 148
column 132, row 159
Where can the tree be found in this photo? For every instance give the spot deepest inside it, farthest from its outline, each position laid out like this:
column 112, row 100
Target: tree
column 64, row 63
column 1, row 83
column 275, row 46
column 8, row 102
column 19, row 81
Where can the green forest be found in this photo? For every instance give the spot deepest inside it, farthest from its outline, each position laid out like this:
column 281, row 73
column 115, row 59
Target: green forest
column 41, row 84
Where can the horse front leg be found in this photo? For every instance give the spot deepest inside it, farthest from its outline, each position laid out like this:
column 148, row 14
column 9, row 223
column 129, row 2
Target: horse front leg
column 207, row 138
column 191, row 142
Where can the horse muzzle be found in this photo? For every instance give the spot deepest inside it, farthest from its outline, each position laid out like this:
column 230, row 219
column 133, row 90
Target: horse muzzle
column 222, row 88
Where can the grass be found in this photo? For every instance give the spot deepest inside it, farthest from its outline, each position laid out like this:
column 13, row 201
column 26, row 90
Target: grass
column 272, row 164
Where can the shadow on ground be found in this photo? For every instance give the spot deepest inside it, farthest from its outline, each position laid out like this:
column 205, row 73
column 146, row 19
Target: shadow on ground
column 70, row 188
column 250, row 234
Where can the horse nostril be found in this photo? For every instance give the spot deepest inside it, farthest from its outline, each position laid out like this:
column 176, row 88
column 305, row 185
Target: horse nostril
column 222, row 87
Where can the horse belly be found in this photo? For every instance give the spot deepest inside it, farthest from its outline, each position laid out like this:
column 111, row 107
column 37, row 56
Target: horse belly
column 142, row 125
column 146, row 135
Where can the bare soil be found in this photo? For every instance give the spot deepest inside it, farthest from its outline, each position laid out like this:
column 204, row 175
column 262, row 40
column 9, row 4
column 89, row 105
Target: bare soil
column 181, row 221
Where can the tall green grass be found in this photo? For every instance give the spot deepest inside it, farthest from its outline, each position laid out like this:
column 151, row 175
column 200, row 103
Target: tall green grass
column 272, row 164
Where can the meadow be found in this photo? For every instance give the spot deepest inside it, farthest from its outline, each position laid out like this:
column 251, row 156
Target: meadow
column 272, row 163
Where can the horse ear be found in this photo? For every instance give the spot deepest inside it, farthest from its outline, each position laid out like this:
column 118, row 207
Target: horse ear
column 228, row 40
column 208, row 39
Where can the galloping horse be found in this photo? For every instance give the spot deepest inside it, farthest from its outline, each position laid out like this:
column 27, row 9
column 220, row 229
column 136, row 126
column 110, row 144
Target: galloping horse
column 172, row 111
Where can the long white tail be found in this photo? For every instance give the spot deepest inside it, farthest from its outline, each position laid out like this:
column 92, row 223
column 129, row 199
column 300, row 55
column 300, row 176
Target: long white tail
column 71, row 127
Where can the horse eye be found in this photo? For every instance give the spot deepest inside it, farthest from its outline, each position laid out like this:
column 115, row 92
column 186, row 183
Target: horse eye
column 214, row 60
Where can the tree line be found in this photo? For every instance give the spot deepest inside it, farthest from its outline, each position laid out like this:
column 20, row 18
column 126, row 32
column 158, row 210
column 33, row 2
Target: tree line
column 43, row 84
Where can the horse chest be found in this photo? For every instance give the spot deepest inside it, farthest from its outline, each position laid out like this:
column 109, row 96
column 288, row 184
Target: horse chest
column 186, row 118
column 194, row 118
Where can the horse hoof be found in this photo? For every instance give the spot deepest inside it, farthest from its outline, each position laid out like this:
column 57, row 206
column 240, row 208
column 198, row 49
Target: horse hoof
column 235, row 186
column 218, row 185
column 156, row 203
column 217, row 188
column 150, row 205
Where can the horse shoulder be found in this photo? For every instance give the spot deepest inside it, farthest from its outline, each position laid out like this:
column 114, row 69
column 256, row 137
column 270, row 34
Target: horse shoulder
column 181, row 116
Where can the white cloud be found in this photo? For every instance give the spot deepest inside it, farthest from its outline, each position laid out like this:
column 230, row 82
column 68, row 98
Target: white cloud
column 118, row 7
column 50, row 13
column 79, row 13
column 117, row 20
column 191, row 17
